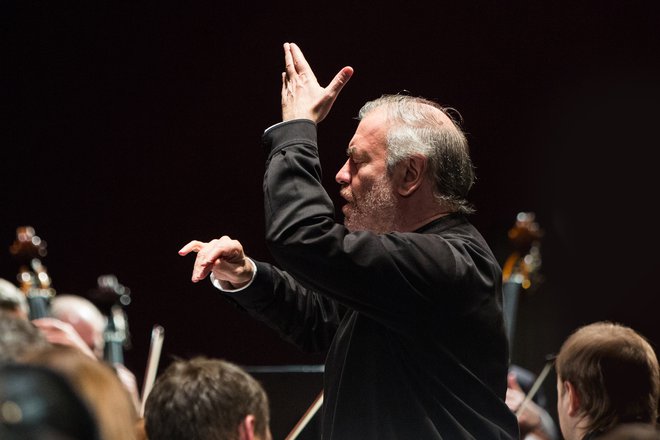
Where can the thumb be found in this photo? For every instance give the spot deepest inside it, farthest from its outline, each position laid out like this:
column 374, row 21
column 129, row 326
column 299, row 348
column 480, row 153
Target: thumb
column 339, row 81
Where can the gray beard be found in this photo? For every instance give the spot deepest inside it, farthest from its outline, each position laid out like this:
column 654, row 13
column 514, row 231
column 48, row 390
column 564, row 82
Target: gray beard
column 376, row 212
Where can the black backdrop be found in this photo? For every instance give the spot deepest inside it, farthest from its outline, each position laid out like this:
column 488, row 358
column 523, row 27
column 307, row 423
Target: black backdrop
column 132, row 127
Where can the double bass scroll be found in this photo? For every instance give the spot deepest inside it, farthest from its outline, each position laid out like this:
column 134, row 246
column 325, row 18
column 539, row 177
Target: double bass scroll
column 520, row 272
column 111, row 297
column 523, row 264
column 33, row 279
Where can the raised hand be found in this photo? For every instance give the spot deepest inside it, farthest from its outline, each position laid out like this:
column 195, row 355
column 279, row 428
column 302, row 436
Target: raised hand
column 224, row 257
column 302, row 95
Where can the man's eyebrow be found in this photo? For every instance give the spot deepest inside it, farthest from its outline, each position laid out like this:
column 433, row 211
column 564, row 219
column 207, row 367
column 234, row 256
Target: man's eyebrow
column 353, row 153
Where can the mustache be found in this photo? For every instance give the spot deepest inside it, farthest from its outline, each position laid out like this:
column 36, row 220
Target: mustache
column 346, row 193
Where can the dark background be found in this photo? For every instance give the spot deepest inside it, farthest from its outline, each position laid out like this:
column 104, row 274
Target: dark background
column 131, row 127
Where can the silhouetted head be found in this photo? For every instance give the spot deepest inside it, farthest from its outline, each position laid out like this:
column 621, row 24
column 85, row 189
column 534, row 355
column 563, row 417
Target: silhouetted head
column 37, row 403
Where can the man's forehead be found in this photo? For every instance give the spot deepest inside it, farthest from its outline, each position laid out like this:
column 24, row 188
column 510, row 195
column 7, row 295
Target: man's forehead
column 370, row 132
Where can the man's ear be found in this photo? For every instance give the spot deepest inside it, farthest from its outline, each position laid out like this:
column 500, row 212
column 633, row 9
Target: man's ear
column 574, row 399
column 410, row 174
column 246, row 428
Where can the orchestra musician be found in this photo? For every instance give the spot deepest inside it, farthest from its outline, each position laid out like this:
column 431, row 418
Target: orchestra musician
column 77, row 322
column 69, row 320
column 97, row 384
column 205, row 398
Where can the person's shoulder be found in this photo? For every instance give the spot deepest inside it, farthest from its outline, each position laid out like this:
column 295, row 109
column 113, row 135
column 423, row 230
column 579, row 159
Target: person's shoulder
column 458, row 229
column 630, row 431
column 449, row 223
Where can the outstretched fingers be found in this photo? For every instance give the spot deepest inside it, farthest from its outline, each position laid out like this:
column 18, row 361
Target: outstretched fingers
column 299, row 62
column 208, row 254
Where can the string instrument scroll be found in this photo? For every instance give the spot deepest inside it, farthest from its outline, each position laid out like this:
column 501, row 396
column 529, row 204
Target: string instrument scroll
column 111, row 297
column 520, row 272
column 523, row 263
column 33, row 279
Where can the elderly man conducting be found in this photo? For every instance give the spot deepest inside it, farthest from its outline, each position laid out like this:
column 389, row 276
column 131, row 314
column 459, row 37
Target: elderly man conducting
column 405, row 296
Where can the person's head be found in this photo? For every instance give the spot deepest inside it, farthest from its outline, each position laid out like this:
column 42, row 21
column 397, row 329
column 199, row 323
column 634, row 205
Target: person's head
column 12, row 300
column 36, row 403
column 84, row 316
column 18, row 337
column 607, row 374
column 98, row 385
column 206, row 399
column 407, row 160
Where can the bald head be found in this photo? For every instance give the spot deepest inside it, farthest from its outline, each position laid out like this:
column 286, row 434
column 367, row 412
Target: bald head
column 85, row 318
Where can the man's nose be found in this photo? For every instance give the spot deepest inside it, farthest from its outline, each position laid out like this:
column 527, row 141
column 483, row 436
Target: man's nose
column 343, row 176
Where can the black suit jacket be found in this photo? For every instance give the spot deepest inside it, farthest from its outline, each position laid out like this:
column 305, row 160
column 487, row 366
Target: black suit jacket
column 412, row 321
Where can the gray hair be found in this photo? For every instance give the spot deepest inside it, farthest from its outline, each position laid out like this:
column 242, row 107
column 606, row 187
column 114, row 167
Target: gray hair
column 18, row 337
column 12, row 298
column 417, row 128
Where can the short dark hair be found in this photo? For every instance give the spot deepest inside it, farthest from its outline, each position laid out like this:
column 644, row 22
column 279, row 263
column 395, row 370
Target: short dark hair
column 615, row 372
column 204, row 399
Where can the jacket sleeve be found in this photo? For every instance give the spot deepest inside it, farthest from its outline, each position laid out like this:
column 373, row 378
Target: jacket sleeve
column 299, row 315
